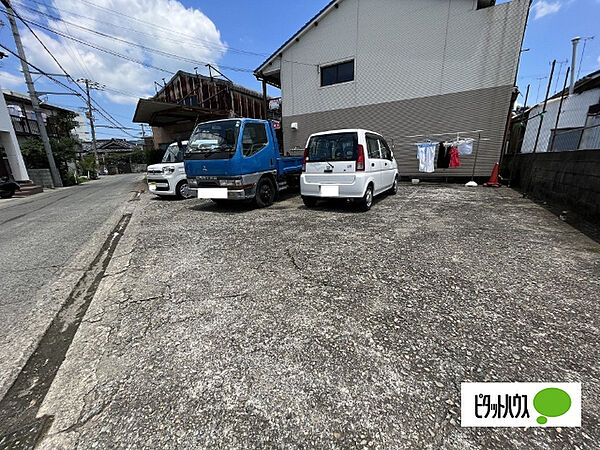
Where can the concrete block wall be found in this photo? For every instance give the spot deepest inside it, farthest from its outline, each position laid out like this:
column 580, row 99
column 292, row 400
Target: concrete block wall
column 568, row 179
column 41, row 177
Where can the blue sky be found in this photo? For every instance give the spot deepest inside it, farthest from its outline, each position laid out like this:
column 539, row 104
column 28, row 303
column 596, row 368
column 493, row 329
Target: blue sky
column 226, row 36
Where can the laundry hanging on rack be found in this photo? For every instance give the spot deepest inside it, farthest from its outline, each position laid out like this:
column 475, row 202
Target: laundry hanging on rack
column 426, row 156
column 454, row 159
column 465, row 147
column 443, row 159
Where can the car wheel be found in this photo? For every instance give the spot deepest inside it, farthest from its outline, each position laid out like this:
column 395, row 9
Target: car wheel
column 310, row 202
column 7, row 194
column 183, row 190
column 394, row 189
column 265, row 193
column 366, row 202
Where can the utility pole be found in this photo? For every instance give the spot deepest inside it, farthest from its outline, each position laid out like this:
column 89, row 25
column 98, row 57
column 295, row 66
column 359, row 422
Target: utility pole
column 90, row 116
column 537, row 138
column 35, row 103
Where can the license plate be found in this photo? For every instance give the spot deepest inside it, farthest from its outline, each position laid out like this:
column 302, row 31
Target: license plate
column 330, row 191
column 212, row 193
column 152, row 186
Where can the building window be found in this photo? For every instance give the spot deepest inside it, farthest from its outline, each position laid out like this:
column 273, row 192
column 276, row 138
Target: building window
column 564, row 139
column 338, row 73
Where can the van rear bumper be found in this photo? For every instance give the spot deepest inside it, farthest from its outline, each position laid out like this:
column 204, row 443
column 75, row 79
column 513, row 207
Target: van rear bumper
column 310, row 188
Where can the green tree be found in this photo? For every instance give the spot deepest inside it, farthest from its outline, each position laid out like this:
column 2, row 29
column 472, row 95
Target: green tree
column 88, row 165
column 63, row 149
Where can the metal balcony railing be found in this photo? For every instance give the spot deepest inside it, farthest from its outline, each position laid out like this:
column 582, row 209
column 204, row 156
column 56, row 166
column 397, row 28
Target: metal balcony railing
column 23, row 125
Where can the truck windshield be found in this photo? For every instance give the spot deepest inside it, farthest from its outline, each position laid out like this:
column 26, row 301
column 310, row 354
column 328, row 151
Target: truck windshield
column 333, row 147
column 215, row 140
column 174, row 154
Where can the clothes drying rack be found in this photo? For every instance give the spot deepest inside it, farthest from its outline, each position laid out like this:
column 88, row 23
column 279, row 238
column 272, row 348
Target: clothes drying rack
column 458, row 137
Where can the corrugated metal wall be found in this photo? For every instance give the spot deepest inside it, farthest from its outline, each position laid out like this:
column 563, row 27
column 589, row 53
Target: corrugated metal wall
column 573, row 114
column 484, row 109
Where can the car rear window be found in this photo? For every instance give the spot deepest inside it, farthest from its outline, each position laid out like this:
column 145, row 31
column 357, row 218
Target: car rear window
column 333, row 147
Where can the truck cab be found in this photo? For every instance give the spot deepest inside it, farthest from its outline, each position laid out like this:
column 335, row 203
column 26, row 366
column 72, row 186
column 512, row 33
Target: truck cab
column 238, row 159
column 168, row 177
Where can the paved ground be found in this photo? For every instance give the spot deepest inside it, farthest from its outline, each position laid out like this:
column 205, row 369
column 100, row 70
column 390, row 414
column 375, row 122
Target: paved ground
column 44, row 244
column 289, row 327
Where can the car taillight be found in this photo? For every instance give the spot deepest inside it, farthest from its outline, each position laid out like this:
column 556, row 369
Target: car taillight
column 360, row 161
column 304, row 160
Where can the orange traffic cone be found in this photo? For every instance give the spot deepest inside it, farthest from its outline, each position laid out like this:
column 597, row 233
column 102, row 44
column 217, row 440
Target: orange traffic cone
column 493, row 181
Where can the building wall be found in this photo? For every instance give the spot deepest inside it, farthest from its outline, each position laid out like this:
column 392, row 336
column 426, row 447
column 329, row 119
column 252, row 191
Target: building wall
column 8, row 140
column 405, row 117
column 81, row 130
column 457, row 63
column 573, row 114
column 41, row 177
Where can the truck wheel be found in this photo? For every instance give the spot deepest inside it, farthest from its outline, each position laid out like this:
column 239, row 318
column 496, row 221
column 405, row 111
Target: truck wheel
column 394, row 189
column 310, row 202
column 183, row 190
column 265, row 193
column 366, row 202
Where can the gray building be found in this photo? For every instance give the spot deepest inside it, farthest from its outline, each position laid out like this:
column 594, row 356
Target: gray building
column 403, row 68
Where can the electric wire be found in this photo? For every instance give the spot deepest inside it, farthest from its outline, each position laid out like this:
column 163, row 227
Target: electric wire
column 101, row 110
column 191, row 39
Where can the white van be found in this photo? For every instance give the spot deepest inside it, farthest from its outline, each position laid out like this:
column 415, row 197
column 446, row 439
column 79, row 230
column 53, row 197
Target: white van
column 168, row 178
column 355, row 164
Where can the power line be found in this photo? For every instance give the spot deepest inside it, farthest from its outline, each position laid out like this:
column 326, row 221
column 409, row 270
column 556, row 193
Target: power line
column 101, row 110
column 108, row 119
column 150, row 49
column 77, row 60
column 124, row 41
column 191, row 39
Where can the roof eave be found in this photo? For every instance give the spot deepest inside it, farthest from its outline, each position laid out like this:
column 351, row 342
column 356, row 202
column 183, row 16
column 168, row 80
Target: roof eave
column 330, row 6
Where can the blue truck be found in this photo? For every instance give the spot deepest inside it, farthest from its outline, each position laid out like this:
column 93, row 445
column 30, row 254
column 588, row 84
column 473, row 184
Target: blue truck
column 239, row 159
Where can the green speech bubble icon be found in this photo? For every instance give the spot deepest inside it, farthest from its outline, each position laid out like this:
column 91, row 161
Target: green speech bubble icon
column 552, row 402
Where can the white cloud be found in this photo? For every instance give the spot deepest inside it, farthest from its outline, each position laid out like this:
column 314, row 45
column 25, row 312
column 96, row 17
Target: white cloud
column 9, row 80
column 543, row 8
column 171, row 28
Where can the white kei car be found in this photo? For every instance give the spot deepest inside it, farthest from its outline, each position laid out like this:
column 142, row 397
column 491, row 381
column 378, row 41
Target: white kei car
column 168, row 178
column 354, row 164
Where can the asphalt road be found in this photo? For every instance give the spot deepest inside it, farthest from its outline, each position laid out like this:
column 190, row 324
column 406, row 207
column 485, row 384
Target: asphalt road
column 39, row 237
column 327, row 328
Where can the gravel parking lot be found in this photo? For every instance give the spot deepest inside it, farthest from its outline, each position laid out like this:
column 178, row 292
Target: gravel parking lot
column 322, row 328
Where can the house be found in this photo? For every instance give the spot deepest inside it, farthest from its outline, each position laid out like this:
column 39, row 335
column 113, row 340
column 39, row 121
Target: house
column 105, row 147
column 11, row 159
column 17, row 124
column 23, row 117
column 188, row 98
column 113, row 146
column 403, row 68
column 578, row 126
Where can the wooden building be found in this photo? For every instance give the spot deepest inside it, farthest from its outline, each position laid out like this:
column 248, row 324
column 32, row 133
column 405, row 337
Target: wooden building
column 188, row 99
